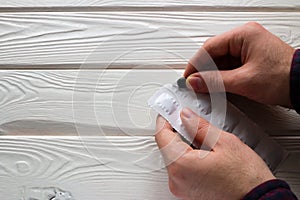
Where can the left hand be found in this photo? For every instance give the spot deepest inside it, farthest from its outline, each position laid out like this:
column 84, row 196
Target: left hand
column 229, row 171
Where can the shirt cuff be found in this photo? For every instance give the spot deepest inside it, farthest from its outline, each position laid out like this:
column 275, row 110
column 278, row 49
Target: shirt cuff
column 272, row 189
column 295, row 81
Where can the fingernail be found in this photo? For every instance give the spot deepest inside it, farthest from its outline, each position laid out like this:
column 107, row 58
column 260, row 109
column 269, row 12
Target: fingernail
column 195, row 83
column 187, row 113
column 160, row 122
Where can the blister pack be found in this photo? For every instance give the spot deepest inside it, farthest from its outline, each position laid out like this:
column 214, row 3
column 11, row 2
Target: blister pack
column 169, row 100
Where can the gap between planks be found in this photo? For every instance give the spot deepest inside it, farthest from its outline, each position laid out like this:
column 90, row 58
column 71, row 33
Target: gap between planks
column 149, row 9
column 91, row 66
column 159, row 5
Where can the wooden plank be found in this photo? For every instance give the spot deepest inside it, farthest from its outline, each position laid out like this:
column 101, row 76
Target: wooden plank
column 42, row 102
column 54, row 101
column 290, row 171
column 290, row 143
column 88, row 167
column 102, row 102
column 292, row 179
column 281, row 117
column 156, row 4
column 122, row 39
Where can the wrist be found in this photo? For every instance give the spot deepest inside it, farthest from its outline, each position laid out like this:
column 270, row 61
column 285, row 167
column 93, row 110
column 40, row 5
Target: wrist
column 272, row 189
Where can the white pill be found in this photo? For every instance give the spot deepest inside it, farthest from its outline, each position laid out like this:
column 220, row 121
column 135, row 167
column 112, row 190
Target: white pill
column 167, row 103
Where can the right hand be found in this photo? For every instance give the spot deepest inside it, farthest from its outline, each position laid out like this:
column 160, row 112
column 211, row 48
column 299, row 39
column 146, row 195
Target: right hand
column 253, row 63
column 229, row 171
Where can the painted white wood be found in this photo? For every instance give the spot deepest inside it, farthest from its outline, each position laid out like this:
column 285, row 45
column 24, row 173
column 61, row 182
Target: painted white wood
column 148, row 3
column 90, row 168
column 102, row 102
column 291, row 143
column 150, row 39
column 54, row 101
column 292, row 178
column 290, row 169
column 259, row 113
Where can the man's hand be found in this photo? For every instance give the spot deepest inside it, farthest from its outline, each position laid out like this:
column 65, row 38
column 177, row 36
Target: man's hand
column 254, row 63
column 229, row 171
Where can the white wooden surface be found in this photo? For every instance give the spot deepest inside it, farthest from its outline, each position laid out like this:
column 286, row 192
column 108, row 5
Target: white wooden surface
column 42, row 107
column 85, row 167
column 88, row 171
column 65, row 39
column 113, row 99
column 63, row 102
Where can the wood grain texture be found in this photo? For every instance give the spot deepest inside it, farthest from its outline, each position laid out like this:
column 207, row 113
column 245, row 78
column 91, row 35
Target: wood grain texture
column 124, row 34
column 290, row 169
column 122, row 39
column 289, row 142
column 59, row 102
column 292, row 179
column 95, row 102
column 147, row 3
column 55, row 101
column 281, row 117
column 90, row 167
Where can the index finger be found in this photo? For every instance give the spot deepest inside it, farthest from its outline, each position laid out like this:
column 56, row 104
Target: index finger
column 164, row 133
column 229, row 43
column 169, row 143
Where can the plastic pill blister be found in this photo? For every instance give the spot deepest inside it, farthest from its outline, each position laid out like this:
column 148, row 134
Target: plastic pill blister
column 170, row 99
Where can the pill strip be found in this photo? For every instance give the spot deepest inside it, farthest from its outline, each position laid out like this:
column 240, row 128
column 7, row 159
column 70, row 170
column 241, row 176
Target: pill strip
column 169, row 100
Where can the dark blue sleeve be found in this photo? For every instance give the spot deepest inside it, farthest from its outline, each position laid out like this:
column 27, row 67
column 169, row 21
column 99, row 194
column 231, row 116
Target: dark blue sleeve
column 271, row 190
column 295, row 81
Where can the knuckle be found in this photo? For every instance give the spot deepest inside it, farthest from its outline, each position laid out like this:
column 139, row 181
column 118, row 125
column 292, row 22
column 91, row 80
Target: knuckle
column 202, row 127
column 207, row 41
column 253, row 24
column 207, row 44
column 251, row 29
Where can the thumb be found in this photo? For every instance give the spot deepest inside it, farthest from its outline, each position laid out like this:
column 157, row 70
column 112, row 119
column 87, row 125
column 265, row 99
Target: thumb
column 203, row 134
column 216, row 81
